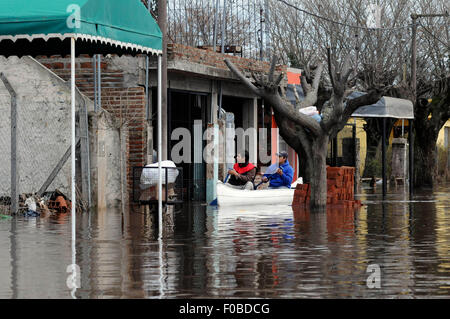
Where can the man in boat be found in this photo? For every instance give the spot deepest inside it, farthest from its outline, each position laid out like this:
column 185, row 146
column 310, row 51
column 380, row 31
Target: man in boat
column 243, row 173
column 282, row 178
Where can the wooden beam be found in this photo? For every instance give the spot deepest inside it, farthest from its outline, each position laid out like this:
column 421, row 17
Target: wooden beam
column 84, row 148
column 56, row 170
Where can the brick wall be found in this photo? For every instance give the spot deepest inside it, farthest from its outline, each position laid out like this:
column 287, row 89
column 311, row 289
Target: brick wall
column 111, row 78
column 127, row 104
column 210, row 58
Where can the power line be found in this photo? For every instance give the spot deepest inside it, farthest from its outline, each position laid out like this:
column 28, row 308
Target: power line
column 430, row 33
column 341, row 23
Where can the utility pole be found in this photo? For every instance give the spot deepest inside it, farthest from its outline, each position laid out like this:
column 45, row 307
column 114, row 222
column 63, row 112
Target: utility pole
column 413, row 89
column 216, row 15
column 414, row 57
column 224, row 20
column 162, row 22
column 261, row 21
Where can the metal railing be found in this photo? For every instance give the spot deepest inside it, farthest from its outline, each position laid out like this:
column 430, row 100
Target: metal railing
column 235, row 24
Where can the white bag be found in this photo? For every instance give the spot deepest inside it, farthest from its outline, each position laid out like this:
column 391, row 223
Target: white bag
column 310, row 110
column 150, row 176
column 298, row 181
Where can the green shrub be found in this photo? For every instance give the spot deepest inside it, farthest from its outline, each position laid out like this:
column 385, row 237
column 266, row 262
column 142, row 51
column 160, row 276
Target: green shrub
column 373, row 168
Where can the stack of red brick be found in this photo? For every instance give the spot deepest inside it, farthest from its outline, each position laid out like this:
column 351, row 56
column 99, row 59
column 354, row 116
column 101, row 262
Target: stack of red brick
column 340, row 188
column 302, row 194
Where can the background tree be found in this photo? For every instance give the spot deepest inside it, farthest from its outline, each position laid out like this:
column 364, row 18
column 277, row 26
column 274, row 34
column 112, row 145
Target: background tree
column 432, row 108
column 382, row 59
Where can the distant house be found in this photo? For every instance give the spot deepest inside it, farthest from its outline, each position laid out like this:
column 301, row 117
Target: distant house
column 444, row 136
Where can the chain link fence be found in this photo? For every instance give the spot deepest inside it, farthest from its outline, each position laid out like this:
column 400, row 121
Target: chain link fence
column 42, row 137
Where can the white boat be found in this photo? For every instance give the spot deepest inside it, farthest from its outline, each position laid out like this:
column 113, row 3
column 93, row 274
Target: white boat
column 228, row 196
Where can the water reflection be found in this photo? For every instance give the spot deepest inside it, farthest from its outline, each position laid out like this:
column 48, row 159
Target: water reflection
column 267, row 251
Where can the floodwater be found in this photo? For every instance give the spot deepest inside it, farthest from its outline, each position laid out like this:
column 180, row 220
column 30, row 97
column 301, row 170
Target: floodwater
column 262, row 252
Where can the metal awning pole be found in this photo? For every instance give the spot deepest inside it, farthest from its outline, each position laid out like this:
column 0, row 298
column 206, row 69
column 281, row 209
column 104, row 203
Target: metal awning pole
column 74, row 202
column 147, row 65
column 147, row 102
column 95, row 83
column 14, row 129
column 99, row 81
column 159, row 145
column 160, row 207
column 383, row 155
column 411, row 158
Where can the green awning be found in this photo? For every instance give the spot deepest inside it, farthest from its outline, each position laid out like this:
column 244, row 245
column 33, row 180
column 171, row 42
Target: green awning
column 37, row 27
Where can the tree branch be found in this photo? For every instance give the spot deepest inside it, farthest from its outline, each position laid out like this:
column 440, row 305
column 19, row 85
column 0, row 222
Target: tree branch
column 303, row 120
column 243, row 79
column 311, row 95
column 370, row 98
column 269, row 92
column 330, row 68
column 294, row 137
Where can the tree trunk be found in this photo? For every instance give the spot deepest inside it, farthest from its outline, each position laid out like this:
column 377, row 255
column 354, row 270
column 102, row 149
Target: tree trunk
column 429, row 119
column 304, row 165
column 318, row 181
column 425, row 160
column 291, row 137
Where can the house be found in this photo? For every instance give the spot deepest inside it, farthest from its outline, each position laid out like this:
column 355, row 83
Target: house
column 202, row 91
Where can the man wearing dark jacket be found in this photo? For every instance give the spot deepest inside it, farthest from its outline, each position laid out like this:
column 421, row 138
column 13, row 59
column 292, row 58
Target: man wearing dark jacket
column 283, row 176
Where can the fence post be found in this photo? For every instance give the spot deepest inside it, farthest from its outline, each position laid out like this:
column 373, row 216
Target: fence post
column 14, row 171
column 85, row 160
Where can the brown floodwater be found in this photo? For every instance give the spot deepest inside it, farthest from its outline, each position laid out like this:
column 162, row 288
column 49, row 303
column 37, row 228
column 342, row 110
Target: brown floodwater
column 262, row 252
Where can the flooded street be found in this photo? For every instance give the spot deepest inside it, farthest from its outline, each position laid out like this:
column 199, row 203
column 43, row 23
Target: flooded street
column 263, row 252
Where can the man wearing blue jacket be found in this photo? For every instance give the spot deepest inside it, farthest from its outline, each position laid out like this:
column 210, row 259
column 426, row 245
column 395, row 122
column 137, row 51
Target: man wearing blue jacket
column 284, row 174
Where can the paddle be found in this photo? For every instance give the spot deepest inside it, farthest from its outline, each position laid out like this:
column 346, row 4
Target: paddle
column 228, row 175
column 271, row 170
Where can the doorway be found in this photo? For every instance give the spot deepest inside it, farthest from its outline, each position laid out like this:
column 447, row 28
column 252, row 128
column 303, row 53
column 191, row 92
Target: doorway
column 188, row 109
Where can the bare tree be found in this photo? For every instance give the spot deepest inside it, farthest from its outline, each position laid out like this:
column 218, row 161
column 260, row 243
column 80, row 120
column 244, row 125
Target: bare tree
column 432, row 108
column 378, row 56
column 303, row 131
